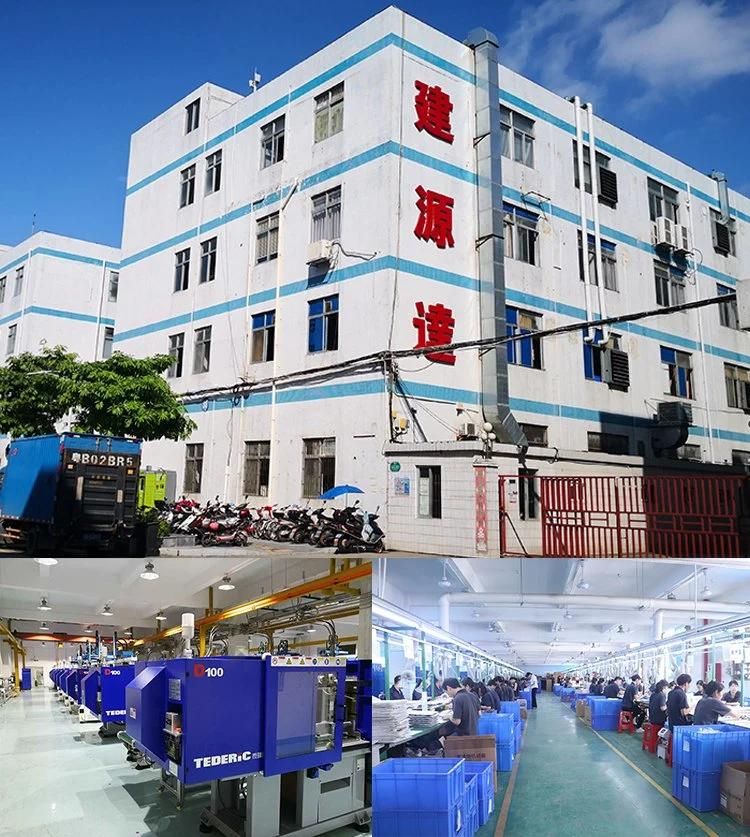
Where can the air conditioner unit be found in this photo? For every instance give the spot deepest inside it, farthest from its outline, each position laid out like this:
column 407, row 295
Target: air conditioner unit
column 681, row 238
column 319, row 251
column 468, row 430
column 673, row 414
column 663, row 232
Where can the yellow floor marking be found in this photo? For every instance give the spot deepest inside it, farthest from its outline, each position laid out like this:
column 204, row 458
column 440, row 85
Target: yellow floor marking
column 502, row 820
column 686, row 811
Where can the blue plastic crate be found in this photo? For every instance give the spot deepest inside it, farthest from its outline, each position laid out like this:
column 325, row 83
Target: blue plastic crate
column 471, row 796
column 472, row 822
column 556, row 689
column 605, row 722
column 511, row 707
column 499, row 725
column 486, row 807
column 699, row 791
column 519, row 735
column 705, row 748
column 485, row 780
column 608, row 707
column 424, row 823
column 525, row 694
column 418, row 784
column 504, row 754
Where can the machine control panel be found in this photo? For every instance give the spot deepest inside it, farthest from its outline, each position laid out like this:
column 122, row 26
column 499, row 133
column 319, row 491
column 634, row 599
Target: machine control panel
column 309, row 662
column 173, row 736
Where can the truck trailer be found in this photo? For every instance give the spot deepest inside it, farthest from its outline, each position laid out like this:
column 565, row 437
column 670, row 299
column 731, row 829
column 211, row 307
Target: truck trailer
column 71, row 491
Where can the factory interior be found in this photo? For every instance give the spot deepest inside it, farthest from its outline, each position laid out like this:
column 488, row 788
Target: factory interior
column 186, row 696
column 567, row 753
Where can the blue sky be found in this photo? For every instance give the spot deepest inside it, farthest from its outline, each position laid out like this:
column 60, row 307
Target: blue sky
column 78, row 77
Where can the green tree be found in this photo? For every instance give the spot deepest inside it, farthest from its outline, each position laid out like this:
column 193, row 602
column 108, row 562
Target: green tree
column 120, row 396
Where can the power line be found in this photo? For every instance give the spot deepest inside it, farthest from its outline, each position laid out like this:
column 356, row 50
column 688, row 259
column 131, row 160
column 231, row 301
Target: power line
column 383, row 359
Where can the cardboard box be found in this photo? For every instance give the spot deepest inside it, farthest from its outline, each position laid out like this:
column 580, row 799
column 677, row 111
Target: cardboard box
column 524, row 713
column 586, row 717
column 473, row 748
column 581, row 707
column 734, row 792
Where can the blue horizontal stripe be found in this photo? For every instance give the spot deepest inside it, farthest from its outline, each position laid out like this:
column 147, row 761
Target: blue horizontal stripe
column 8, row 318
column 66, row 315
column 59, row 254
column 414, row 389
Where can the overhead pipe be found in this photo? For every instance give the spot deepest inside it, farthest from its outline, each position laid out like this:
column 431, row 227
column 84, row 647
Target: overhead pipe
column 658, row 624
column 584, row 220
column 599, row 272
column 721, row 182
column 560, row 600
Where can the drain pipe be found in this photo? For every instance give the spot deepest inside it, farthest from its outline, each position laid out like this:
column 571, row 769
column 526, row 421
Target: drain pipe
column 721, row 182
column 658, row 624
column 489, row 242
column 584, row 220
column 599, row 272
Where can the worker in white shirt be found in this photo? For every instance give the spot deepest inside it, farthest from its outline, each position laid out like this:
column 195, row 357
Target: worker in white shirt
column 533, row 685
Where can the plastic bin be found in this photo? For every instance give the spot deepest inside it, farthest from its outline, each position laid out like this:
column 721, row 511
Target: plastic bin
column 511, row 707
column 604, row 707
column 519, row 734
column 418, row 785
column 485, row 780
column 471, row 795
column 705, row 748
column 451, row 823
column 504, row 754
column 525, row 694
column 499, row 725
column 698, row 790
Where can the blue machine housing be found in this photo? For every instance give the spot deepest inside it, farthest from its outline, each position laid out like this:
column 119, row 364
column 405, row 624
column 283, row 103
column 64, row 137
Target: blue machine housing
column 103, row 692
column 72, row 681
column 232, row 716
column 362, row 670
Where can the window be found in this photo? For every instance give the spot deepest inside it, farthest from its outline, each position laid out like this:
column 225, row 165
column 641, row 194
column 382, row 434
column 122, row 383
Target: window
column 602, row 162
column 272, row 142
column 192, row 116
column 3, row 283
column 689, row 452
column 326, row 215
column 429, row 495
column 109, row 336
column 609, row 443
column 213, row 172
column 18, row 286
column 670, row 285
column 257, row 468
column 10, row 347
column 517, row 136
column 263, row 337
column 609, row 263
column 202, row 356
column 114, row 285
column 741, row 457
column 592, row 355
column 723, row 235
column 318, row 467
column 737, row 380
column 536, row 434
column 187, row 186
column 208, row 260
column 181, row 270
column 728, row 314
column 267, row 247
column 519, row 228
column 323, row 324
column 527, row 351
column 679, row 372
column 329, row 113
column 528, row 494
column 193, row 468
column 177, row 352
column 662, row 201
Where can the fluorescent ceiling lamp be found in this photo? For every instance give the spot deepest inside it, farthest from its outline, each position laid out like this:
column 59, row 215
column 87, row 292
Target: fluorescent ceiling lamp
column 46, row 562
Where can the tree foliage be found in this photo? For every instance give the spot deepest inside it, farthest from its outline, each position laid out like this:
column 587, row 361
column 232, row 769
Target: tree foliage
column 120, row 396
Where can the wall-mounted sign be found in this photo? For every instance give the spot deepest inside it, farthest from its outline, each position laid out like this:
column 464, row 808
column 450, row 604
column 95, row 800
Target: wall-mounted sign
column 401, row 486
column 435, row 222
column 434, row 325
column 434, row 107
column 395, row 467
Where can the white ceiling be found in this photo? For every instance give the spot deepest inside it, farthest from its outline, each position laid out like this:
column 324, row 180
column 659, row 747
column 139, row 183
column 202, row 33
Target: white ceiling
column 541, row 636
column 77, row 589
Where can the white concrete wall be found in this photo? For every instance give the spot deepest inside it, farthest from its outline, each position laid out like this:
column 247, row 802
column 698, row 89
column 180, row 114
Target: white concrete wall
column 377, row 296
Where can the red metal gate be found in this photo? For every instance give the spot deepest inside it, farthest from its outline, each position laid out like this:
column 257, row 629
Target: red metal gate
column 632, row 516
column 643, row 516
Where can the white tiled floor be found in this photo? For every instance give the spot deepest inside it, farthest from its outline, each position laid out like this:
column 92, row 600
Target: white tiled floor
column 58, row 778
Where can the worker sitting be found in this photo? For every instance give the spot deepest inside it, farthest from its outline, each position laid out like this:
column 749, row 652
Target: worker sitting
column 612, row 689
column 465, row 710
column 629, row 701
column 710, row 707
column 733, row 694
column 678, row 708
column 396, row 693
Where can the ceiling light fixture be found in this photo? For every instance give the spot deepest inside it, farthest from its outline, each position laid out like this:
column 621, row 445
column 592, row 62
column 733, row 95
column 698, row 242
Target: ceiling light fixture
column 706, row 591
column 149, row 573
column 444, row 581
column 107, row 610
column 44, row 626
column 582, row 584
column 43, row 604
column 46, row 562
column 311, row 629
column 226, row 583
column 160, row 617
column 89, row 630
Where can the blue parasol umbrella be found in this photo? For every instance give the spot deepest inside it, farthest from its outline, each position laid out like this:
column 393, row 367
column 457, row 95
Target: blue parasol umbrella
column 338, row 490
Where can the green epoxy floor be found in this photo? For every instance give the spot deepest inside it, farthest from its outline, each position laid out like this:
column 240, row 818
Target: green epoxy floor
column 58, row 778
column 568, row 779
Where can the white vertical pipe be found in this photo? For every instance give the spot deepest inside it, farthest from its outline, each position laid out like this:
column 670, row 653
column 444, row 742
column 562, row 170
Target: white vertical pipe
column 595, row 210
column 582, row 210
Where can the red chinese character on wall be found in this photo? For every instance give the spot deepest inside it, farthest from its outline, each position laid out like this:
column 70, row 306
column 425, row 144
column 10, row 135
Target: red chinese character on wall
column 435, row 217
column 433, row 107
column 435, row 328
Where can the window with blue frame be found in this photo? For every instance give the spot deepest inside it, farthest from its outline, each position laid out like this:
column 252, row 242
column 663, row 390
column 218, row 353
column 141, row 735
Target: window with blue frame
column 264, row 327
column 592, row 355
column 520, row 234
column 526, row 351
column 323, row 320
column 728, row 314
column 679, row 368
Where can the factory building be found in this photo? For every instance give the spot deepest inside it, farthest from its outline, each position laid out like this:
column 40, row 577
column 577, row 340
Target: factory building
column 399, row 190
column 58, row 291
